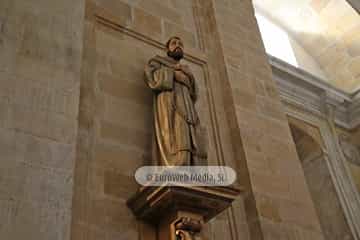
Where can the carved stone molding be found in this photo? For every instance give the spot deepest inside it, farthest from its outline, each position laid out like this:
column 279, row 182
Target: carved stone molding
column 336, row 161
column 198, row 58
column 102, row 19
column 313, row 95
column 180, row 211
column 318, row 103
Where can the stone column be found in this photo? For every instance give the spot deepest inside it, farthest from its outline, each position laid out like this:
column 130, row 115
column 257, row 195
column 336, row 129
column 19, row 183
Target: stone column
column 40, row 61
column 278, row 203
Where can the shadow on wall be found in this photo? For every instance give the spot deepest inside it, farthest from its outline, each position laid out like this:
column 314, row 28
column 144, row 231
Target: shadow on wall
column 320, row 184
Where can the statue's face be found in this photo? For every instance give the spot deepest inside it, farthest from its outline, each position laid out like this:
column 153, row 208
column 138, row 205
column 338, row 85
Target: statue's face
column 176, row 49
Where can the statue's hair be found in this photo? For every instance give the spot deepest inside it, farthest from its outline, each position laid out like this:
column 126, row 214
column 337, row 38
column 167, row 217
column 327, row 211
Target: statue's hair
column 171, row 38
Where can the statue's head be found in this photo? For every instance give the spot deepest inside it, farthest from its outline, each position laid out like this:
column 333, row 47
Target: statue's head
column 175, row 48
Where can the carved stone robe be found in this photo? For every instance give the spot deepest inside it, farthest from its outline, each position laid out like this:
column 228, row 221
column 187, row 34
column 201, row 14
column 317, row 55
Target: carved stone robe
column 178, row 137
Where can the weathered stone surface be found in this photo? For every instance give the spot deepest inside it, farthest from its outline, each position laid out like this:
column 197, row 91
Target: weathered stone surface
column 116, row 115
column 187, row 36
column 159, row 8
column 111, row 184
column 329, row 35
column 133, row 91
column 125, row 161
column 354, row 67
column 272, row 161
column 40, row 61
column 115, row 9
column 147, row 23
column 269, row 209
column 319, row 182
column 47, row 64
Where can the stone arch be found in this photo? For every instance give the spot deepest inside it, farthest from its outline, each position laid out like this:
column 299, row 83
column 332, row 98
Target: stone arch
column 312, row 154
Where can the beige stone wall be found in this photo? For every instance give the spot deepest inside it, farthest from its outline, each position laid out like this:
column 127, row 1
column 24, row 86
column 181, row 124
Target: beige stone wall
column 310, row 148
column 354, row 139
column 283, row 202
column 40, row 60
column 355, row 169
column 115, row 120
column 328, row 29
column 47, row 60
column 306, row 61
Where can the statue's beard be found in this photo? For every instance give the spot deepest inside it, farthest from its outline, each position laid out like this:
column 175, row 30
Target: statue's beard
column 176, row 54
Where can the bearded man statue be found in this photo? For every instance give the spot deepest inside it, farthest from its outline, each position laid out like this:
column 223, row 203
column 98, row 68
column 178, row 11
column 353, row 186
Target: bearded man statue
column 178, row 138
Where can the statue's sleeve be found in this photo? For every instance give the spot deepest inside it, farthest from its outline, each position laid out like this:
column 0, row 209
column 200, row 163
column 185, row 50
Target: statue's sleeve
column 159, row 77
column 194, row 93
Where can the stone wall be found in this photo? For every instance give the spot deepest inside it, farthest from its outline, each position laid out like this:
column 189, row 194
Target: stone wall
column 306, row 61
column 51, row 53
column 40, row 60
column 353, row 138
column 354, row 168
column 283, row 202
column 328, row 30
column 115, row 119
column 311, row 150
column 355, row 171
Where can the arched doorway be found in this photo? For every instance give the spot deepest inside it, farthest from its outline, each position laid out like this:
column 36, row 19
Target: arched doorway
column 311, row 153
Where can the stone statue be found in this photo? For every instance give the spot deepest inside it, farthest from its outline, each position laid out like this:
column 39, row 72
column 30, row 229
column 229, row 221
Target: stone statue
column 188, row 229
column 179, row 139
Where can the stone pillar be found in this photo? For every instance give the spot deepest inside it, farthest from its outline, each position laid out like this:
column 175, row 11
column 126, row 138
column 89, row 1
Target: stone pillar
column 271, row 168
column 40, row 61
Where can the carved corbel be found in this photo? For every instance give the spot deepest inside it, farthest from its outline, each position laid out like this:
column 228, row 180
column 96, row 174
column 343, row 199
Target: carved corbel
column 188, row 229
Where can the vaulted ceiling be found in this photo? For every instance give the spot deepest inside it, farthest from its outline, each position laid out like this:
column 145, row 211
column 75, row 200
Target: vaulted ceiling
column 329, row 30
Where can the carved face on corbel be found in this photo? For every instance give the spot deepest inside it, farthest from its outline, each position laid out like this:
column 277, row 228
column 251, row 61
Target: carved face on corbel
column 175, row 48
column 188, row 229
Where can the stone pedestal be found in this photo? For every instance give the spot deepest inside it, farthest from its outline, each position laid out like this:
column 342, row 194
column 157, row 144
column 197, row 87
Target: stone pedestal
column 180, row 211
